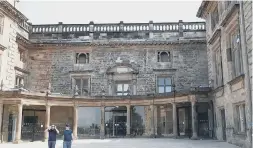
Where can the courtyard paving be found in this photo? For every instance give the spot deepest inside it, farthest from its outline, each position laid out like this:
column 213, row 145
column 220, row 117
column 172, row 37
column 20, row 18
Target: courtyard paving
column 131, row 143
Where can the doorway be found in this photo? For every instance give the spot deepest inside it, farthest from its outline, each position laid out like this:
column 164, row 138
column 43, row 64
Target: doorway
column 115, row 126
column 223, row 124
column 32, row 129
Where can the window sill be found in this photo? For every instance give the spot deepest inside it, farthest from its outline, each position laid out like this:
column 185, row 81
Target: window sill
column 236, row 79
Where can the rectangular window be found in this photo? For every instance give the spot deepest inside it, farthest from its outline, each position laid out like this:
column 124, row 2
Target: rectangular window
column 240, row 118
column 214, row 18
column 164, row 84
column 19, row 82
column 218, row 68
column 122, row 88
column 81, row 86
column 236, row 53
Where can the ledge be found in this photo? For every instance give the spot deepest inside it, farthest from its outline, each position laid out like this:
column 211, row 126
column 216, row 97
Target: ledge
column 165, row 69
column 236, row 79
column 21, row 70
column 219, row 88
column 217, row 33
column 62, row 43
column 228, row 13
column 2, row 47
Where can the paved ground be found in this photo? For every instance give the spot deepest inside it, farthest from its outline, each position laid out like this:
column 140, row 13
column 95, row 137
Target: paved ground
column 131, row 143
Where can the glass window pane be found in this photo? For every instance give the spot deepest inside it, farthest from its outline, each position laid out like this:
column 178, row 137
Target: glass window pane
column 168, row 81
column 85, row 83
column 119, row 87
column 125, row 94
column 126, row 87
column 119, row 94
column 78, row 83
column 160, row 81
column 161, row 89
column 82, row 59
column 164, row 57
column 168, row 89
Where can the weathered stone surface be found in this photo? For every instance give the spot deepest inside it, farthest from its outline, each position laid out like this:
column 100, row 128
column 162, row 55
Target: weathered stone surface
column 54, row 66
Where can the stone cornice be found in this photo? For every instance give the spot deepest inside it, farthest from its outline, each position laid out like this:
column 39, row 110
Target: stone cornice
column 216, row 33
column 22, row 40
column 2, row 47
column 12, row 11
column 202, row 9
column 113, row 44
column 21, row 70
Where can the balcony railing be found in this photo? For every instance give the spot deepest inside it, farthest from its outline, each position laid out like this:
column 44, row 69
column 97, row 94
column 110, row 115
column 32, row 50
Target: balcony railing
column 120, row 27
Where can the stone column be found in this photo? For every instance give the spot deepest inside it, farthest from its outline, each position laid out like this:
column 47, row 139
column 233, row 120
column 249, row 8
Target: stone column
column 128, row 120
column 166, row 121
column 186, row 121
column 102, row 129
column 194, row 121
column 1, row 119
column 75, row 121
column 19, row 124
column 152, row 121
column 158, row 120
column 113, row 125
column 175, row 132
column 47, row 121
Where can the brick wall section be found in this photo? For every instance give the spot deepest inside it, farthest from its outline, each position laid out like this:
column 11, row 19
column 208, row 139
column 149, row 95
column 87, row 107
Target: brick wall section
column 54, row 66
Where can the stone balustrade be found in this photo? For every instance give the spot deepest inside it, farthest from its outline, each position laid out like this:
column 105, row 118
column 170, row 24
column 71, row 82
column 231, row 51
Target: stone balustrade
column 120, row 27
column 117, row 31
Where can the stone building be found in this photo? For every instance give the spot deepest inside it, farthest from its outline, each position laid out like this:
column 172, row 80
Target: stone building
column 105, row 80
column 229, row 50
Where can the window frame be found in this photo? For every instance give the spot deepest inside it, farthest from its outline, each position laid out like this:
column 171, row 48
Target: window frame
column 116, row 83
column 218, row 67
column 240, row 118
column 236, row 52
column 77, row 58
column 164, row 86
column 81, row 89
column 159, row 58
column 18, row 81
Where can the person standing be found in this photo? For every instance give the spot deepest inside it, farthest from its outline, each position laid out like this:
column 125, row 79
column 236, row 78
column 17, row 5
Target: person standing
column 68, row 137
column 52, row 132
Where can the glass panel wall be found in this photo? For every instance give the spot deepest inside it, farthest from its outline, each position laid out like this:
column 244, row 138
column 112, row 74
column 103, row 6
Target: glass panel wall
column 89, row 120
column 139, row 121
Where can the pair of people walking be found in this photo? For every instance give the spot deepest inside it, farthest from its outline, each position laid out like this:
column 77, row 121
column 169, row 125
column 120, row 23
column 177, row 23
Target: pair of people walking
column 53, row 131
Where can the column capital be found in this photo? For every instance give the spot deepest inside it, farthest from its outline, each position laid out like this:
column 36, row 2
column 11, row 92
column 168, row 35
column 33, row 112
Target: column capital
column 193, row 98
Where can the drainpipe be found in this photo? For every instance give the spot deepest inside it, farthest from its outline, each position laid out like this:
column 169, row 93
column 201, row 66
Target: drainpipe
column 246, row 72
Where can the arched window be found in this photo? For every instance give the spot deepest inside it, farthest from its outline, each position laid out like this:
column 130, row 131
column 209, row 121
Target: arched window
column 163, row 56
column 82, row 58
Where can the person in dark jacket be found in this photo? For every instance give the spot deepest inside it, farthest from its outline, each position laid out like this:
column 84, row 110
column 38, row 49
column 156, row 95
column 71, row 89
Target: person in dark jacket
column 68, row 137
column 52, row 132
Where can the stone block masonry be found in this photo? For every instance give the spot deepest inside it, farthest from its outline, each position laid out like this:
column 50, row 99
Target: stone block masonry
column 187, row 67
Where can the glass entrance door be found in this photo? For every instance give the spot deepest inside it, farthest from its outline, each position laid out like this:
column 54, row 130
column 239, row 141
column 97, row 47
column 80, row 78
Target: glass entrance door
column 115, row 125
